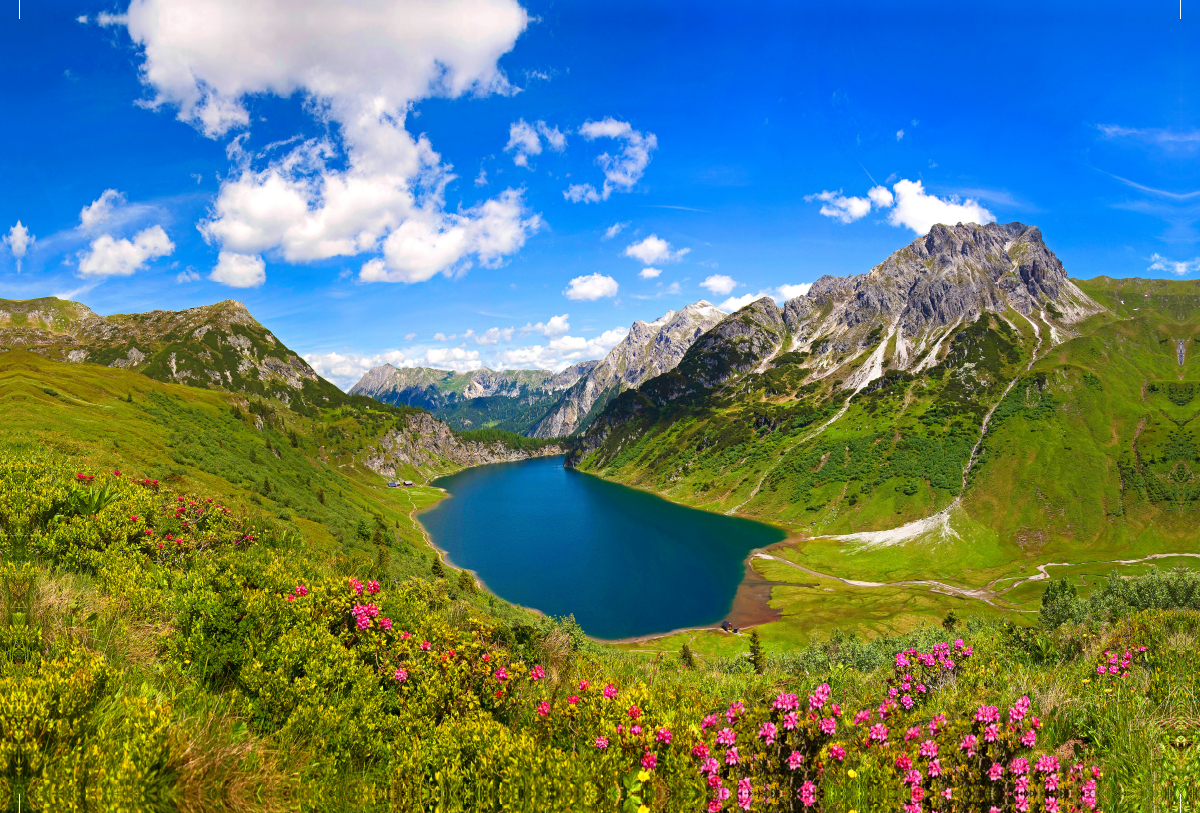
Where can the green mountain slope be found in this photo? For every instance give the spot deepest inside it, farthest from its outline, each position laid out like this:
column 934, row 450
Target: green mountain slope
column 216, row 346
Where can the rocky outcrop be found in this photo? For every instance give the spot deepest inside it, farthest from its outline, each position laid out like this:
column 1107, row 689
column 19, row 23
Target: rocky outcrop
column 947, row 278
column 649, row 349
column 849, row 330
column 426, row 441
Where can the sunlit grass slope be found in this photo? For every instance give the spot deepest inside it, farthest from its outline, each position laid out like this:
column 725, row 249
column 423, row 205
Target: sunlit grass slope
column 255, row 454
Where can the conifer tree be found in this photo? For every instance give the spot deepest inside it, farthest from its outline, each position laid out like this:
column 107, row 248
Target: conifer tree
column 758, row 658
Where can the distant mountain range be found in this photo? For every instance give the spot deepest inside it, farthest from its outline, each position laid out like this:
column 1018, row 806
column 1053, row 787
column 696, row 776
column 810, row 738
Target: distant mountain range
column 540, row 403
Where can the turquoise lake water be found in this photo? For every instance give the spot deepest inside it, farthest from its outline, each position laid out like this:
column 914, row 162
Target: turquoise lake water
column 623, row 561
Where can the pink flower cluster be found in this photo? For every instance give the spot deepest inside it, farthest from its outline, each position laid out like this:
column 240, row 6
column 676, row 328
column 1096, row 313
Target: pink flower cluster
column 363, row 613
column 1118, row 666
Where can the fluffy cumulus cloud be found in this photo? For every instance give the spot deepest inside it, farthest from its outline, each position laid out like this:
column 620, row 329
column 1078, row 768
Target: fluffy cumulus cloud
column 719, row 284
column 18, row 240
column 239, row 270
column 919, row 211
column 525, row 140
column 374, row 188
column 553, row 328
column 793, row 291
column 839, row 207
column 1180, row 268
column 654, row 250
column 110, row 257
column 562, row 351
column 908, row 205
column 649, row 273
column 100, row 212
column 621, row 171
column 591, row 287
column 781, row 294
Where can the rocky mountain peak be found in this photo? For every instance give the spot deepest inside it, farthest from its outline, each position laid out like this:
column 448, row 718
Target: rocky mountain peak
column 948, row 277
column 648, row 350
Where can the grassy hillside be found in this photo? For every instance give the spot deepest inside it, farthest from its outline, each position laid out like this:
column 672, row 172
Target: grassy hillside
column 254, row 453
column 1091, row 459
column 158, row 653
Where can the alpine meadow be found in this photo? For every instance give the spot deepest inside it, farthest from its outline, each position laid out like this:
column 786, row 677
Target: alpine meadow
column 501, row 406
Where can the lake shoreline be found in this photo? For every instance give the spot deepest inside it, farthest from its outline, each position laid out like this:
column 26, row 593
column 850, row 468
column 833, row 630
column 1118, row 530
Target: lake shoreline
column 616, row 557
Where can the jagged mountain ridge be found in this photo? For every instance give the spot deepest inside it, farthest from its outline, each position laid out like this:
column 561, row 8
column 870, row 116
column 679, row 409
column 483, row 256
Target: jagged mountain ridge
column 512, row 400
column 649, row 349
column 218, row 345
column 759, row 409
column 540, row 403
column 432, row 389
column 920, row 293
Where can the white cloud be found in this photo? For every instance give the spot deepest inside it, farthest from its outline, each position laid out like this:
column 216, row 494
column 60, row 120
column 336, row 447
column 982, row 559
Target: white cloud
column 493, row 335
column 187, row 275
column 613, row 230
column 881, row 196
column 899, row 135
column 736, row 303
column 556, row 326
column 108, row 257
column 654, row 250
column 582, row 192
column 562, row 351
column 418, row 249
column 371, row 187
column 781, row 295
column 346, row 370
column 719, row 284
column 481, row 178
column 793, row 291
column 523, row 139
column 919, row 211
column 440, row 337
column 555, row 139
column 1160, row 263
column 100, row 211
column 239, row 270
column 622, row 171
column 834, row 205
column 650, row 273
column 82, row 18
column 591, row 287
column 408, row 337
column 910, row 205
column 18, row 240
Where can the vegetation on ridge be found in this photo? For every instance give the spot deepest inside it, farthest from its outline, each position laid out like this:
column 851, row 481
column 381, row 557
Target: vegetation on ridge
column 167, row 653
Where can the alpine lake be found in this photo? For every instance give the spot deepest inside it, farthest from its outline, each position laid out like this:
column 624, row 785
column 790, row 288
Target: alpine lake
column 625, row 562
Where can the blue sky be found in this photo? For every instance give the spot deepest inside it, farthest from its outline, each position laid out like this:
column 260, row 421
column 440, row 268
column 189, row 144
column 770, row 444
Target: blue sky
column 367, row 177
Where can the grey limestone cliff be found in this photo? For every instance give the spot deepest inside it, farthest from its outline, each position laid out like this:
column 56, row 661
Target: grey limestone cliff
column 425, row 440
column 649, row 349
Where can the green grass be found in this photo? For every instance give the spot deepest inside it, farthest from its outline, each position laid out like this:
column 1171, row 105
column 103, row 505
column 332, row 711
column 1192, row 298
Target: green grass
column 257, row 455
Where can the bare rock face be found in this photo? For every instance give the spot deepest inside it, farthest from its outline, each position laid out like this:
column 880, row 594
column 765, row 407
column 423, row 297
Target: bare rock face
column 649, row 349
column 946, row 278
column 427, row 440
column 896, row 316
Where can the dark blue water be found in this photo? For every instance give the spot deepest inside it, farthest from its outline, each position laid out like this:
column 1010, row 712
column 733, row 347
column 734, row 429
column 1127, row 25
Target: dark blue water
column 623, row 561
